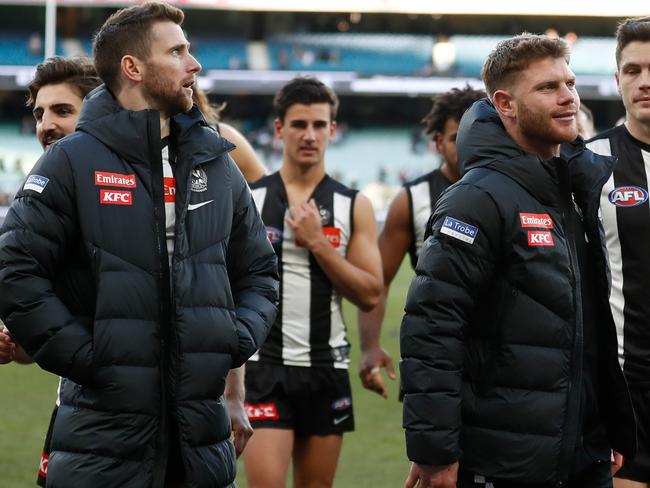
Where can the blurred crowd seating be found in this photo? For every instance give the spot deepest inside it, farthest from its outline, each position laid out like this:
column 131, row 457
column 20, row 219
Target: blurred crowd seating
column 367, row 54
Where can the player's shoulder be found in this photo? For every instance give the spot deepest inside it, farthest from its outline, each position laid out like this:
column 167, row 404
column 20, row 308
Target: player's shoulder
column 336, row 186
column 425, row 178
column 602, row 143
column 267, row 181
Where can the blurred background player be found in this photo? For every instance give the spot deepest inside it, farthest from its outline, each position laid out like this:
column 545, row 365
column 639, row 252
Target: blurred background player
column 625, row 210
column 586, row 122
column 403, row 231
column 297, row 388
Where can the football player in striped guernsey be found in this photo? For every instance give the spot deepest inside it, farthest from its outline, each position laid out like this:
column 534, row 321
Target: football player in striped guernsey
column 324, row 233
column 625, row 211
column 403, row 231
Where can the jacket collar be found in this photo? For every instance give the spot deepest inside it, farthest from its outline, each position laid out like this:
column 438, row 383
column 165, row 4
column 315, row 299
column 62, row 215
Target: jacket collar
column 482, row 141
column 133, row 135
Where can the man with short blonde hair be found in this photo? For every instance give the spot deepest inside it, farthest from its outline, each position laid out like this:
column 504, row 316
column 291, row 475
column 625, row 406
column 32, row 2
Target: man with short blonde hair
column 509, row 374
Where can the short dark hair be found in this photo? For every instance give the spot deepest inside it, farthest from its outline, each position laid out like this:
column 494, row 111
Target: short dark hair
column 78, row 72
column 512, row 56
column 128, row 31
column 305, row 90
column 449, row 105
column 630, row 30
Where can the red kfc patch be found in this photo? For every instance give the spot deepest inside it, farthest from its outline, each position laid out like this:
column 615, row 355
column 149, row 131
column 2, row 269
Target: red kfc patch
column 262, row 411
column 540, row 238
column 42, row 466
column 115, row 197
column 114, row 179
column 543, row 221
column 170, row 189
column 332, row 234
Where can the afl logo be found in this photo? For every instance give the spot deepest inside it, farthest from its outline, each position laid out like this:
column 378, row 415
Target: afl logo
column 274, row 235
column 628, row 196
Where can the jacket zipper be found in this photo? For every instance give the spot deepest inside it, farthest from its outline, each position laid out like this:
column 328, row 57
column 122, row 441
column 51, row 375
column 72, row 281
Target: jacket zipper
column 571, row 426
column 155, row 157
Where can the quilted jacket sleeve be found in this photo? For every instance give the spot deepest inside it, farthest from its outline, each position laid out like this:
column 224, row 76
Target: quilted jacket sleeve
column 40, row 226
column 455, row 264
column 253, row 273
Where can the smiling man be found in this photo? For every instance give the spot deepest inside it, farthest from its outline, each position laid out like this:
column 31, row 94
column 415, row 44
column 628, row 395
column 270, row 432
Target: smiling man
column 56, row 93
column 170, row 278
column 625, row 211
column 509, row 370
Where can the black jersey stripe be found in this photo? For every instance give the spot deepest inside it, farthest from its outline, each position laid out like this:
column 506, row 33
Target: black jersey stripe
column 272, row 214
column 634, row 234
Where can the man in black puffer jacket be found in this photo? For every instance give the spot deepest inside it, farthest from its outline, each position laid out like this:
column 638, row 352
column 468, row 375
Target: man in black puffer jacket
column 134, row 264
column 509, row 361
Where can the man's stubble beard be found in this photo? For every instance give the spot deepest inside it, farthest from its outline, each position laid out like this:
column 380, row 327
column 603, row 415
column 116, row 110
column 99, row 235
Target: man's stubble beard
column 162, row 95
column 537, row 127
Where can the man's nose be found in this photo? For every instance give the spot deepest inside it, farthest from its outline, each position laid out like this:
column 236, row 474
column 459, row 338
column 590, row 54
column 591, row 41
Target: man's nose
column 48, row 121
column 194, row 66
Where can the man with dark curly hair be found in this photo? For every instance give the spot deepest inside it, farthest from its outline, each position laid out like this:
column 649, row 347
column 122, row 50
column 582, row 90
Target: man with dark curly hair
column 407, row 217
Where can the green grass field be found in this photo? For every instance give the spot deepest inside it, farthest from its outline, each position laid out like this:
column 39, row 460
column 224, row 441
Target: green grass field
column 373, row 455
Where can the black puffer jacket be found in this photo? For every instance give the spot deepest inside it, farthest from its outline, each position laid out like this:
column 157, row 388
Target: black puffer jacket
column 141, row 347
column 492, row 341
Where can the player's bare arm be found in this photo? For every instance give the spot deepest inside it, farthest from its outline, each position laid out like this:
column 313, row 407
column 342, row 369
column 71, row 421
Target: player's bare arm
column 394, row 242
column 357, row 276
column 235, row 394
column 244, row 155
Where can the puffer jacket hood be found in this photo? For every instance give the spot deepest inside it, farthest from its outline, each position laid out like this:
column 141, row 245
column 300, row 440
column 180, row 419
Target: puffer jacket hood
column 127, row 131
column 483, row 141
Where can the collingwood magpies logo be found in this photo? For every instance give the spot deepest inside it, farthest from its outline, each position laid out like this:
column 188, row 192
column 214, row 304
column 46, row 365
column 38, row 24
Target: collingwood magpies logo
column 199, row 180
column 325, row 215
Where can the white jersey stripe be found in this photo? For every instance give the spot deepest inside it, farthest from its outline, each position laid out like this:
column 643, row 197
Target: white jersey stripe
column 296, row 285
column 421, row 210
column 259, row 195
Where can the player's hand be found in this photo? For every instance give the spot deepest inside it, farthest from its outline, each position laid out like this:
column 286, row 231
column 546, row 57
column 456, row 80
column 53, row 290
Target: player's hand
column 428, row 476
column 370, row 370
column 305, row 221
column 617, row 462
column 7, row 346
column 241, row 427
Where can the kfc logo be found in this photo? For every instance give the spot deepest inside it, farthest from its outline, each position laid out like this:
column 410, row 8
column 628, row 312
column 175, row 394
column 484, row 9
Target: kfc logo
column 540, row 238
column 536, row 220
column 113, row 197
column 332, row 234
column 114, row 179
column 170, row 189
column 42, row 466
column 262, row 411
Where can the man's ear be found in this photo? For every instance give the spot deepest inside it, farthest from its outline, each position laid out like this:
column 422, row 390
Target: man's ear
column 618, row 82
column 505, row 103
column 131, row 68
column 277, row 128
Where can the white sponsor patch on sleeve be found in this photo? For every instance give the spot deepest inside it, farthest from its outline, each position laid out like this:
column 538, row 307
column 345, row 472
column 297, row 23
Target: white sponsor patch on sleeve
column 36, row 183
column 459, row 230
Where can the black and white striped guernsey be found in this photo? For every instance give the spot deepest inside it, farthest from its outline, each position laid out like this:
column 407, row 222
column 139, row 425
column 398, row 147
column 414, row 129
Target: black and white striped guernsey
column 625, row 211
column 309, row 329
column 423, row 193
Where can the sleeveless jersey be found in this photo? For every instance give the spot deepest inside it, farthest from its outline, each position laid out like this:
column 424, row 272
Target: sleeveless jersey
column 309, row 329
column 423, row 193
column 625, row 212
